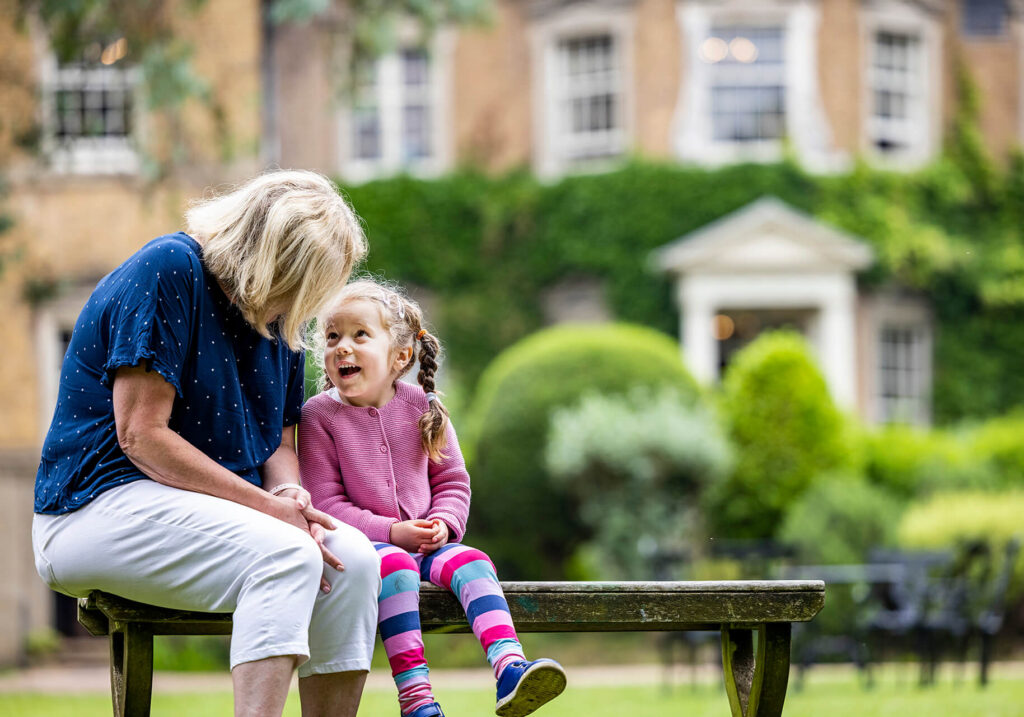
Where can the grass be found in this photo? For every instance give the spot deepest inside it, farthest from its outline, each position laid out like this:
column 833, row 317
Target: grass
column 834, row 694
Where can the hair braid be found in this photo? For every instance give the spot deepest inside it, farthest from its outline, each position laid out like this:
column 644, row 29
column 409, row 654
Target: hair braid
column 433, row 423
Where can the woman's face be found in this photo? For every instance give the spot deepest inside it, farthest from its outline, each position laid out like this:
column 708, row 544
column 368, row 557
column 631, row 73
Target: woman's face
column 359, row 358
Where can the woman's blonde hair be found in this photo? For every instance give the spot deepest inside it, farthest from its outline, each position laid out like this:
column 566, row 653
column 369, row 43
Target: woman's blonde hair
column 280, row 244
column 403, row 320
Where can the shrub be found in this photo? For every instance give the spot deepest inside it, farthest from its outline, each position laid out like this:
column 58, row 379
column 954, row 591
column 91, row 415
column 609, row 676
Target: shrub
column 915, row 462
column 840, row 518
column 525, row 521
column 999, row 442
column 946, row 519
column 911, row 461
column 785, row 429
column 635, row 465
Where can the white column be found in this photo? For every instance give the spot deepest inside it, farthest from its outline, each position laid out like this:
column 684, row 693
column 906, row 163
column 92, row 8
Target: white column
column 699, row 347
column 837, row 346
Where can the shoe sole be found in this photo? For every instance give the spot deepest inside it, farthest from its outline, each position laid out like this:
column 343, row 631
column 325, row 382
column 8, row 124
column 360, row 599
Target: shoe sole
column 538, row 686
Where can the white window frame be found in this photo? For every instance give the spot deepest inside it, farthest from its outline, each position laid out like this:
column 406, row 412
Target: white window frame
column 89, row 155
column 914, row 375
column 390, row 101
column 552, row 154
column 924, row 123
column 807, row 129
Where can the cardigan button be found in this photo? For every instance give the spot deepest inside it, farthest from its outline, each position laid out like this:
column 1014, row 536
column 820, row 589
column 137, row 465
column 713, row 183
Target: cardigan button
column 373, row 412
column 383, row 448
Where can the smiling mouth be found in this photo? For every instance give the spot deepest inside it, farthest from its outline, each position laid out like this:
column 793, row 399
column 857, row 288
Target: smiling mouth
column 348, row 371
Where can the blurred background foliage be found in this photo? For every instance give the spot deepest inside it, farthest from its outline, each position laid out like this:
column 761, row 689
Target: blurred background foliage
column 519, row 512
column 488, row 247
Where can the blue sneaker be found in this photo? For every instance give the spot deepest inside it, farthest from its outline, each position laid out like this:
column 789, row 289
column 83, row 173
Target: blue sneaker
column 431, row 710
column 525, row 686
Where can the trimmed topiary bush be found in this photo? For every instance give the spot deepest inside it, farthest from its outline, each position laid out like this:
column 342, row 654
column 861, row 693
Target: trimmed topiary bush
column 635, row 465
column 785, row 429
column 524, row 520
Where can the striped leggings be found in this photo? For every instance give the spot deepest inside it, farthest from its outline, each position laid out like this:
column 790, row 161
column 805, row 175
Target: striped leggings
column 469, row 574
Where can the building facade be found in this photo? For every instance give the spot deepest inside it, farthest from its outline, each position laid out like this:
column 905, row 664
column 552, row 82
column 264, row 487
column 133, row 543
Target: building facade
column 564, row 86
column 553, row 85
column 78, row 146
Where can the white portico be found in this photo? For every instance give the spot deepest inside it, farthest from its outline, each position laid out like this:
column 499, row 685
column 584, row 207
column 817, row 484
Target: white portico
column 767, row 265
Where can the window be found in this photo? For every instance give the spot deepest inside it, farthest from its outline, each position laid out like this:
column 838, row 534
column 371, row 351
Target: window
column 589, row 101
column 416, row 134
column 393, row 122
column 896, row 90
column 748, row 92
column 366, row 130
column 90, row 111
column 903, row 374
column 984, row 17
column 581, row 59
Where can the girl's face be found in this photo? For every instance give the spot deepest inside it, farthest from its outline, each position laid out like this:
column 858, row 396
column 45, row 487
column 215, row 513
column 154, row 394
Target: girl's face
column 359, row 358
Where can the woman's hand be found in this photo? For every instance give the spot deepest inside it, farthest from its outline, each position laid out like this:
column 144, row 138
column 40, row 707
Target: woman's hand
column 296, row 510
column 409, row 535
column 439, row 538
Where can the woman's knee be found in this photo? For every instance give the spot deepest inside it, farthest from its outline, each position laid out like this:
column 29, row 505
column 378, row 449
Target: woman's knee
column 354, row 551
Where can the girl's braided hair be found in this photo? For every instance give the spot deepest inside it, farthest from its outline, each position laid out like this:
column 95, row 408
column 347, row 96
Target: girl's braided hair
column 403, row 319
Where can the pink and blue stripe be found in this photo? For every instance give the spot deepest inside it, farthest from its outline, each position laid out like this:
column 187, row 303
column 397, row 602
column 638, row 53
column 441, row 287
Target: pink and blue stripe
column 471, row 577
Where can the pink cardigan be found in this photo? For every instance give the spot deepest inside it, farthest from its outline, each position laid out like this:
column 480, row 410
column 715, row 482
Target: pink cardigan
column 366, row 467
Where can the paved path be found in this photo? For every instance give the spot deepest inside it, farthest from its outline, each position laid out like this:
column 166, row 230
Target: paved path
column 78, row 680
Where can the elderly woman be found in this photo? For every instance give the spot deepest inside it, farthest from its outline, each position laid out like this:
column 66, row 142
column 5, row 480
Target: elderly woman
column 169, row 472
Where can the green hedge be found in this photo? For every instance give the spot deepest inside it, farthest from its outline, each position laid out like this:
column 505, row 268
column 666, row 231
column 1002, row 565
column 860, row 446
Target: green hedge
column 839, row 519
column 914, row 462
column 786, row 432
column 525, row 520
column 488, row 246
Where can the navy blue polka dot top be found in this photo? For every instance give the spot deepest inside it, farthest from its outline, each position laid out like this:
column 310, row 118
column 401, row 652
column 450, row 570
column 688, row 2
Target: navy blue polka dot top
column 235, row 389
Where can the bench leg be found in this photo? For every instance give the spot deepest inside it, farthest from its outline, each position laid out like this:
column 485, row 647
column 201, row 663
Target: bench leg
column 131, row 669
column 756, row 677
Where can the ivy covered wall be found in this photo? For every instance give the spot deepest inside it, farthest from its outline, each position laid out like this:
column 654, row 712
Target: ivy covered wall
column 487, row 247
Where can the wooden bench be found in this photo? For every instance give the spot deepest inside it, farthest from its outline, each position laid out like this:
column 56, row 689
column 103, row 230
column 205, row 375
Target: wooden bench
column 754, row 618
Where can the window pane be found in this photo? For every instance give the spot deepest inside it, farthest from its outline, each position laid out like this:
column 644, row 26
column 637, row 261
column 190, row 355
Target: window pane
column 901, row 374
column 748, row 94
column 984, row 17
column 416, row 132
column 589, row 103
column 92, row 101
column 415, row 68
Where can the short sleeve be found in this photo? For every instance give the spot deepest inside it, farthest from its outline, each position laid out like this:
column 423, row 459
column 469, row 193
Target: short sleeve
column 296, row 389
column 150, row 312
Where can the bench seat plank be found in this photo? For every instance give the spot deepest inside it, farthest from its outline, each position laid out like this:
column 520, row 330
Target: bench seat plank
column 756, row 677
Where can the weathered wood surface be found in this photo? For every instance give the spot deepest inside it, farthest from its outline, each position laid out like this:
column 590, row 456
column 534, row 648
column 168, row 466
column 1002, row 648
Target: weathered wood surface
column 616, row 607
column 546, row 607
column 754, row 618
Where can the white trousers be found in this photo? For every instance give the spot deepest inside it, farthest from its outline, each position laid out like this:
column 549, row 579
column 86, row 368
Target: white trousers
column 174, row 548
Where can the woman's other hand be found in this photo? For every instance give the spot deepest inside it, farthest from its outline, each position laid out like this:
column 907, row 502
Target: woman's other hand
column 409, row 535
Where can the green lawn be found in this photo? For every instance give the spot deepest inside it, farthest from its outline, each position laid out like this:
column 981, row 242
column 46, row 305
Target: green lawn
column 834, row 696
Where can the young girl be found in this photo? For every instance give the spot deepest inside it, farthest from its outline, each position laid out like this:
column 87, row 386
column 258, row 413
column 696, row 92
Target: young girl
column 380, row 454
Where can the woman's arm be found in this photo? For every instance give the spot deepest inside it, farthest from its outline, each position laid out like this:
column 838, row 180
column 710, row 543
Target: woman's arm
column 142, row 409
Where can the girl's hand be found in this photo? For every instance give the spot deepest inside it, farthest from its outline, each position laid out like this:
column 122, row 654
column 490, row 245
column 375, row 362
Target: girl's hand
column 409, row 535
column 439, row 538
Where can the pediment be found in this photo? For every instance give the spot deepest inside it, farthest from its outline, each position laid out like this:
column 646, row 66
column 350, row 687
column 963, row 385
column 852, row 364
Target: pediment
column 764, row 236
